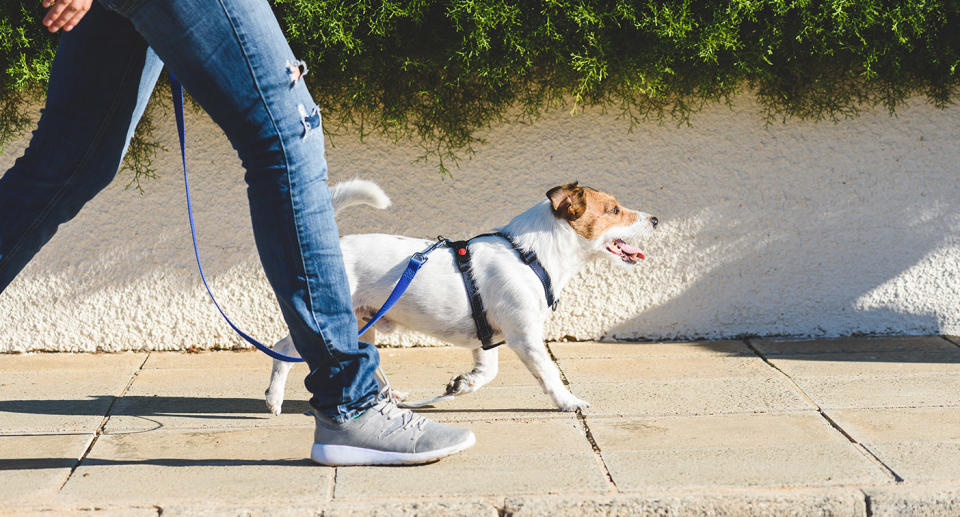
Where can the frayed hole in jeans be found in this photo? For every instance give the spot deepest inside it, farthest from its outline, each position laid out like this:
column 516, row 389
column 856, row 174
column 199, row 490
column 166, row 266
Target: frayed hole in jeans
column 310, row 122
column 296, row 70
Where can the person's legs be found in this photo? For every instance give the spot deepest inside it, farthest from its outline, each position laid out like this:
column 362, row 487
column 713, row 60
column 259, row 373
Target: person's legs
column 99, row 86
column 234, row 60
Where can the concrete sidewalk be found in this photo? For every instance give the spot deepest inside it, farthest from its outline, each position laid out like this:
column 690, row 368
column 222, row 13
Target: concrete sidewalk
column 861, row 426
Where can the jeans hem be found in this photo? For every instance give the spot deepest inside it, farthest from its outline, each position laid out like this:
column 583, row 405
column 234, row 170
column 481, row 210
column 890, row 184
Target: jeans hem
column 342, row 414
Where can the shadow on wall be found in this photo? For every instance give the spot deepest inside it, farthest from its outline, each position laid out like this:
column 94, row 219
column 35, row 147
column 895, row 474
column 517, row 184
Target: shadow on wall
column 816, row 230
column 814, row 273
column 798, row 229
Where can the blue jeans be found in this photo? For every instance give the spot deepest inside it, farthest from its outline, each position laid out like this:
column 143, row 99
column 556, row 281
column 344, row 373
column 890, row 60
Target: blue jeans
column 233, row 59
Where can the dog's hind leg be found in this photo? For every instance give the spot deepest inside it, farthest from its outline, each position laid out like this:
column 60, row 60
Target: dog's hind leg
column 278, row 377
column 485, row 366
column 534, row 355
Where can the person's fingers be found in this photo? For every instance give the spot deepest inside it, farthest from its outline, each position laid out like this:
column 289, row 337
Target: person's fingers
column 65, row 12
column 72, row 22
column 54, row 14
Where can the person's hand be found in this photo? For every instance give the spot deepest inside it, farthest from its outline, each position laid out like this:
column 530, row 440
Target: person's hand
column 64, row 14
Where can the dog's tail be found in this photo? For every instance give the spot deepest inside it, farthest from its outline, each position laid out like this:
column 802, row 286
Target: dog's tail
column 358, row 192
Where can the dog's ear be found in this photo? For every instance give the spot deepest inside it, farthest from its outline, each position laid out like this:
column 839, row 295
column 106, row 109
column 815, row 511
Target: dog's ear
column 567, row 201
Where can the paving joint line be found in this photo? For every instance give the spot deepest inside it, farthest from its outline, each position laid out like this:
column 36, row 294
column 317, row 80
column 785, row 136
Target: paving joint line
column 867, row 502
column 953, row 342
column 859, row 446
column 103, row 423
column 598, row 454
column 333, row 483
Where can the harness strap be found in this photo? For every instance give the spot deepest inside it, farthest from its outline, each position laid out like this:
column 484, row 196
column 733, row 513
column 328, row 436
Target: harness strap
column 529, row 257
column 462, row 255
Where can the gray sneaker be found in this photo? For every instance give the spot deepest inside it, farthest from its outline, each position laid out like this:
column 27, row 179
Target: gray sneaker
column 386, row 435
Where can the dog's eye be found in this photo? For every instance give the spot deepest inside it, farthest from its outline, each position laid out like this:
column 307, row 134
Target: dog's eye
column 615, row 210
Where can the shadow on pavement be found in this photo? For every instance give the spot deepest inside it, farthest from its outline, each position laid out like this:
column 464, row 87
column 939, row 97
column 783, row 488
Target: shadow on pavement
column 59, row 463
column 188, row 407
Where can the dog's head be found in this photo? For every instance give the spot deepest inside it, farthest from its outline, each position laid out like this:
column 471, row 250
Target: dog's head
column 599, row 218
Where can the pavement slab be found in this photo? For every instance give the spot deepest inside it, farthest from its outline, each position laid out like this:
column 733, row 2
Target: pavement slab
column 214, row 360
column 848, row 364
column 921, row 371
column 205, row 398
column 691, row 397
column 703, row 428
column 624, row 369
column 883, row 391
column 686, row 379
column 796, row 449
column 930, row 500
column 40, row 361
column 66, row 511
column 774, row 346
column 509, row 458
column 493, row 403
column 756, row 502
column 919, row 444
column 180, row 466
column 353, row 508
column 426, row 369
column 603, row 350
column 46, row 393
column 33, row 467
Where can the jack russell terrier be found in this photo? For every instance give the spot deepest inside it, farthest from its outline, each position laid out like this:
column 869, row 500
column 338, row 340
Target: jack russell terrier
column 573, row 225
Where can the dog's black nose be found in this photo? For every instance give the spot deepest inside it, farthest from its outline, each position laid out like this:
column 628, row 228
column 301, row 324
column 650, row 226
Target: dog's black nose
column 654, row 221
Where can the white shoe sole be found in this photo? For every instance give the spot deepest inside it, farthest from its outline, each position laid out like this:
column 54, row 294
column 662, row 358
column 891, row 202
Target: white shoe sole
column 345, row 455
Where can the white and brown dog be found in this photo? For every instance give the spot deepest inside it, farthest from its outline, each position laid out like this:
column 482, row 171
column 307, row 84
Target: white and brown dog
column 572, row 226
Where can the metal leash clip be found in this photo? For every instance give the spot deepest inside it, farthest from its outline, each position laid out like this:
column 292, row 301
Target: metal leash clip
column 421, row 256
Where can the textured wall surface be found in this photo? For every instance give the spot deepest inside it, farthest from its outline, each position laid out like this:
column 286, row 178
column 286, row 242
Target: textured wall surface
column 804, row 229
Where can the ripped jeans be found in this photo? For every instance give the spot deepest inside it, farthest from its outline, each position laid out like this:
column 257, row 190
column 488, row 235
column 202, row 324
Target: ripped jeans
column 233, row 59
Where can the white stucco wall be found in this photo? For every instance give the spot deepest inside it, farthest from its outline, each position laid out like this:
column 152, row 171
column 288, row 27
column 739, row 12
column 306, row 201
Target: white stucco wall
column 806, row 229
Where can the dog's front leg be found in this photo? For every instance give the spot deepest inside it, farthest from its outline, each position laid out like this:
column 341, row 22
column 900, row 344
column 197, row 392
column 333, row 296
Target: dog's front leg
column 485, row 366
column 278, row 377
column 534, row 355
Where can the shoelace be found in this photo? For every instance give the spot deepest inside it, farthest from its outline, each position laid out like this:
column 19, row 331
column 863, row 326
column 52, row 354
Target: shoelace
column 388, row 407
column 390, row 410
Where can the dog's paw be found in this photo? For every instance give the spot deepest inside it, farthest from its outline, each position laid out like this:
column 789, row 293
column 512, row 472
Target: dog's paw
column 462, row 384
column 398, row 396
column 274, row 403
column 572, row 404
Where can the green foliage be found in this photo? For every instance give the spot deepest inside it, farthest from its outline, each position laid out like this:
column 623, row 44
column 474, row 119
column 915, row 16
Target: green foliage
column 437, row 71
column 25, row 57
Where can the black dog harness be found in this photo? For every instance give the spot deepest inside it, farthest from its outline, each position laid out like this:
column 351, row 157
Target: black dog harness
column 462, row 255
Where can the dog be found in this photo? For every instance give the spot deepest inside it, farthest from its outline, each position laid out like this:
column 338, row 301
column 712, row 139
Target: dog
column 572, row 226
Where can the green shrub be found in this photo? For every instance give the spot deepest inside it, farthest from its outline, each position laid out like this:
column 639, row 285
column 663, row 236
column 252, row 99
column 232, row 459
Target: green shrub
column 436, row 71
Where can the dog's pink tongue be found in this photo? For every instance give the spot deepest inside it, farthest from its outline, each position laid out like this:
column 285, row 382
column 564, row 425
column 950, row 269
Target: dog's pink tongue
column 630, row 250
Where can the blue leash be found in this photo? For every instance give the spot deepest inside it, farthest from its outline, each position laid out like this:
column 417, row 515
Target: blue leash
column 416, row 261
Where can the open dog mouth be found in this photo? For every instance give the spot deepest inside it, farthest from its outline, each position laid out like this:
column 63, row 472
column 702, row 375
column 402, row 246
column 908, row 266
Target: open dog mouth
column 627, row 253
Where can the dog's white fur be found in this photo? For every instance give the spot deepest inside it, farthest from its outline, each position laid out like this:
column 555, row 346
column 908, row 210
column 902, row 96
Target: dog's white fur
column 513, row 296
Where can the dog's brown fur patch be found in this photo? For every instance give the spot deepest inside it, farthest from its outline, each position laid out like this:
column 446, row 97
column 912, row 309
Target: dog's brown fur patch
column 589, row 211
